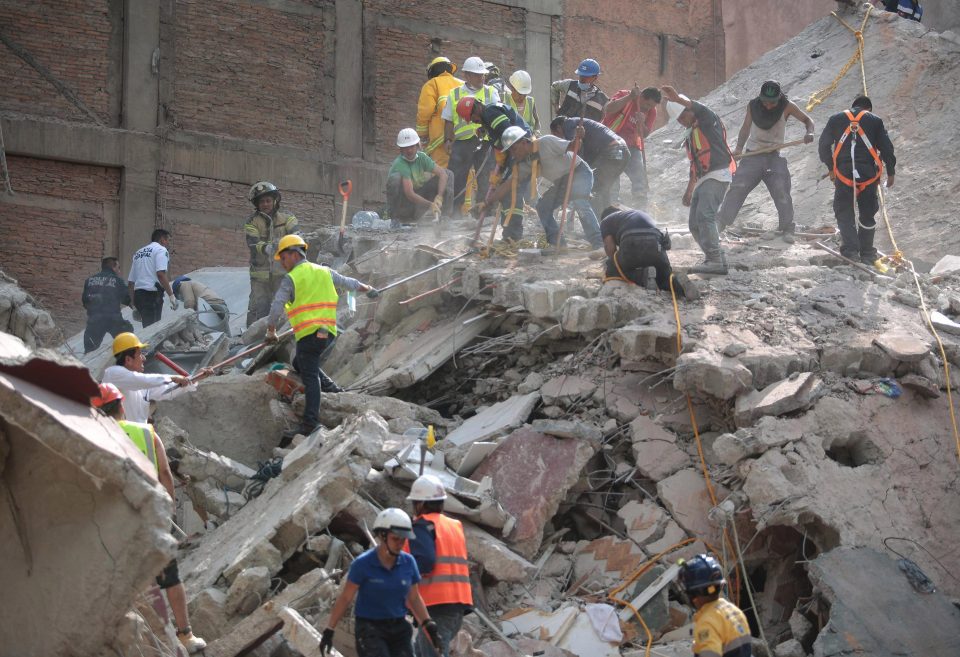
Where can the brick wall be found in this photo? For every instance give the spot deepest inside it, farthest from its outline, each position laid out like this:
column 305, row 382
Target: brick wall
column 56, row 229
column 246, row 70
column 73, row 40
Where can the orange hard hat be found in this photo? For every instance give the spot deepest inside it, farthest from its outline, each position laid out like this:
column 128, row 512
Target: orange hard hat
column 465, row 108
column 108, row 393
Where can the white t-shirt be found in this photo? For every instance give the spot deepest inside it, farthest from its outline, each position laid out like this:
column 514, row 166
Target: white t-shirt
column 146, row 263
column 554, row 157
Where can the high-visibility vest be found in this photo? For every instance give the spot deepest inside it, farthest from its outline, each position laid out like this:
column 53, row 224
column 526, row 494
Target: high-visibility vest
column 449, row 581
column 698, row 150
column 142, row 436
column 856, row 130
column 528, row 108
column 314, row 304
column 463, row 129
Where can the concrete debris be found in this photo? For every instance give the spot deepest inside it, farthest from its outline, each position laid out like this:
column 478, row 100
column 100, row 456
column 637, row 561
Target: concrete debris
column 923, row 386
column 793, row 394
column 568, row 429
column 21, row 316
column 685, row 495
column 566, row 390
column 569, row 628
column 903, row 347
column 335, row 408
column 495, row 421
column 546, row 299
column 524, row 646
column 498, row 561
column 248, row 590
column 712, row 374
column 655, row 450
column 655, row 341
column 768, row 433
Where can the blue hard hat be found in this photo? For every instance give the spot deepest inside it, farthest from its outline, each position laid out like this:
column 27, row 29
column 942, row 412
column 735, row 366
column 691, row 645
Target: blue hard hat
column 176, row 284
column 701, row 575
column 588, row 67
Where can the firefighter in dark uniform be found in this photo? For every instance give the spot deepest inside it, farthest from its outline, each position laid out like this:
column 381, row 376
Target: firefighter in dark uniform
column 104, row 294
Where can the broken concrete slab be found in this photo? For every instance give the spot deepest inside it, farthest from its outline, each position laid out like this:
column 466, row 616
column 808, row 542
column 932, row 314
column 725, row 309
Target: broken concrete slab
column 868, row 595
column 568, row 628
column 798, row 392
column 948, row 264
column 655, row 449
column 685, row 496
column 499, row 561
column 712, row 374
column 582, row 315
column 655, row 341
column 531, row 474
column 943, row 323
column 921, row 385
column 903, row 346
column 496, row 420
column 730, row 448
column 566, row 389
column 568, row 429
column 525, row 646
column 336, row 407
column 545, row 299
column 854, row 354
column 607, row 560
column 248, row 590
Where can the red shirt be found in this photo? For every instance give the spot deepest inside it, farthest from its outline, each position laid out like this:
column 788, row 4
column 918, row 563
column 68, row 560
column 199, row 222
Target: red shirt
column 627, row 122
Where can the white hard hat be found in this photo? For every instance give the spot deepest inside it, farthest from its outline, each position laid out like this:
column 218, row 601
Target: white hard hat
column 407, row 137
column 427, row 488
column 474, row 65
column 511, row 135
column 520, row 80
column 674, row 110
column 395, row 521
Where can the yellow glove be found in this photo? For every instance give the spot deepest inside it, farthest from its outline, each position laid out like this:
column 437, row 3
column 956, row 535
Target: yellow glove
column 437, row 204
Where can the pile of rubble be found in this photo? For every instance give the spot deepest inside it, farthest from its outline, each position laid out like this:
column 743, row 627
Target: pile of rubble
column 22, row 316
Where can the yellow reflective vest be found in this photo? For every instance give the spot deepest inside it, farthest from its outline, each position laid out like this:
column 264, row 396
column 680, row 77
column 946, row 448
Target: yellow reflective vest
column 314, row 304
column 142, row 436
column 463, row 129
column 528, row 113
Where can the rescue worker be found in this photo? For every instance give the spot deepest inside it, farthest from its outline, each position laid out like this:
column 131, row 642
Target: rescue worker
column 264, row 229
column 104, row 294
column 552, row 157
column 415, row 183
column 580, row 97
column 440, row 549
column 601, row 148
column 711, row 170
column 720, row 628
column 308, row 294
column 521, row 101
column 433, row 98
column 148, row 278
column 137, row 387
column 764, row 126
column 633, row 243
column 632, row 113
column 460, row 137
column 385, row 582
column 854, row 146
column 189, row 293
column 495, row 79
column 110, row 403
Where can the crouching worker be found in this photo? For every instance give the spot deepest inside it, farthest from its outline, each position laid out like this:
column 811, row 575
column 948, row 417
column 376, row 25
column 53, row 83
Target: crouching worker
column 384, row 580
column 719, row 627
column 110, row 403
column 633, row 243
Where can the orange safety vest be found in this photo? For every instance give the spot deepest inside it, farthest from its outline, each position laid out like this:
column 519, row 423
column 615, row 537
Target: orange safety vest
column 856, row 130
column 698, row 150
column 449, row 581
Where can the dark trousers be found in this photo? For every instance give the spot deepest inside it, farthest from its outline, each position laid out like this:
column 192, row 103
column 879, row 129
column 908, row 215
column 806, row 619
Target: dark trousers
column 606, row 178
column 400, row 208
column 465, row 155
column 149, row 303
column 307, row 363
column 635, row 268
column 513, row 223
column 449, row 620
column 100, row 325
column 770, row 169
column 856, row 242
column 383, row 638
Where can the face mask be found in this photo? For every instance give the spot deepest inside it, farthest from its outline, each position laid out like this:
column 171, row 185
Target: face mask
column 584, row 86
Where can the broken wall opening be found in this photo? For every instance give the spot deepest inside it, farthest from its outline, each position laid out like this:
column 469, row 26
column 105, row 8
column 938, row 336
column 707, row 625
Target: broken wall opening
column 858, row 449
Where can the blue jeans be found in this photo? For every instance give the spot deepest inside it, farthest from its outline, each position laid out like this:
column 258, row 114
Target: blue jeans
column 579, row 202
column 449, row 620
column 307, row 363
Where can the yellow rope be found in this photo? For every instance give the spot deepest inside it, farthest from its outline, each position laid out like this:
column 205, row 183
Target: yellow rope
column 819, row 96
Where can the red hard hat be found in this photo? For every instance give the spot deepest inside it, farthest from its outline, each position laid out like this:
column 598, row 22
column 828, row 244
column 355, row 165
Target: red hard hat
column 108, row 393
column 465, row 108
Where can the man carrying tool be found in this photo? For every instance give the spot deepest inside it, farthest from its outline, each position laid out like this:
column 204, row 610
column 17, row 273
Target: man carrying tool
column 720, row 628
column 854, row 146
column 631, row 113
column 460, row 137
column 761, row 135
column 521, row 101
column 554, row 158
column 580, row 97
column 433, row 98
column 413, row 180
column 148, row 278
column 104, row 294
column 264, row 229
column 711, row 170
column 110, row 403
column 308, row 294
column 440, row 549
column 602, row 149
column 633, row 243
column 139, row 388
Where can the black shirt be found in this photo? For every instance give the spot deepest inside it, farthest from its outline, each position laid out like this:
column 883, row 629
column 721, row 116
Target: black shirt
column 877, row 134
column 616, row 223
column 597, row 138
column 104, row 293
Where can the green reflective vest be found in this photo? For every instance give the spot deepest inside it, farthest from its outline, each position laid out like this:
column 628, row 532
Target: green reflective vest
column 464, row 129
column 142, row 436
column 314, row 304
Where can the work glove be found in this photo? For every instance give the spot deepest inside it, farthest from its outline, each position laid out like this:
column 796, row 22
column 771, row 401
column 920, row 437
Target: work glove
column 326, row 642
column 269, row 249
column 373, row 293
column 174, row 304
column 665, row 241
column 271, row 336
column 430, row 627
column 437, row 205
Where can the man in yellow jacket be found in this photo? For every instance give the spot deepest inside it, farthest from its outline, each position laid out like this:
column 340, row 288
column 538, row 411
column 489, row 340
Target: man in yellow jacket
column 433, row 96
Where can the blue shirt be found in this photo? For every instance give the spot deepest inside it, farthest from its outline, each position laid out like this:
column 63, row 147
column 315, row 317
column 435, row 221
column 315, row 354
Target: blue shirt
column 382, row 593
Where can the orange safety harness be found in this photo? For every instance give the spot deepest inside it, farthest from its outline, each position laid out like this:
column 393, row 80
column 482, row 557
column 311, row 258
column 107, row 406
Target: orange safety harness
column 854, row 132
column 698, row 150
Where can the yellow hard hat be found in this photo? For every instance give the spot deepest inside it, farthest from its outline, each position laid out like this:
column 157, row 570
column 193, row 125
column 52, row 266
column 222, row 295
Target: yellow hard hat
column 289, row 242
column 439, row 60
column 126, row 341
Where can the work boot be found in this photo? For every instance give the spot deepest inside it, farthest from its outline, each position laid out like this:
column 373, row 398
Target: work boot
column 190, row 642
column 716, row 266
column 331, row 387
column 789, row 238
column 287, row 436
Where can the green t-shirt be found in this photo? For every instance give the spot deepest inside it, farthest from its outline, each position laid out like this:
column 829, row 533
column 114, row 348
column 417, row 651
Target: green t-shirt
column 417, row 172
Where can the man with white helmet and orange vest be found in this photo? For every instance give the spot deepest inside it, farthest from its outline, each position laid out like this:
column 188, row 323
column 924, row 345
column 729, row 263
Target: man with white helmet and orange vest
column 433, row 97
column 415, row 183
column 308, row 295
column 440, row 549
column 264, row 229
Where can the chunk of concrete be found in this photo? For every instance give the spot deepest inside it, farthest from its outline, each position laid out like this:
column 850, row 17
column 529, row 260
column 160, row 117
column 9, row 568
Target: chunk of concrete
column 903, row 346
column 712, row 374
column 499, row 561
column 531, row 474
column 789, row 648
column 607, row 560
column 656, row 341
column 208, row 610
column 943, row 323
column 685, row 496
column 496, row 420
column 581, row 315
column 336, row 407
column 798, row 392
column 655, row 450
column 769, row 432
column 948, row 264
column 568, row 429
column 545, row 299
column 921, row 385
column 567, row 628
column 248, row 590
column 565, row 390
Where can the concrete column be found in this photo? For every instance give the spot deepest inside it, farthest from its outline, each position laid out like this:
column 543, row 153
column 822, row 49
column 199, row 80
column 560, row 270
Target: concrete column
column 538, row 62
column 348, row 116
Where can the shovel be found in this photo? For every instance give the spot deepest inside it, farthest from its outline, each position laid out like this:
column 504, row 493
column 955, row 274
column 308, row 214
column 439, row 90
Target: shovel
column 236, row 357
column 345, row 188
